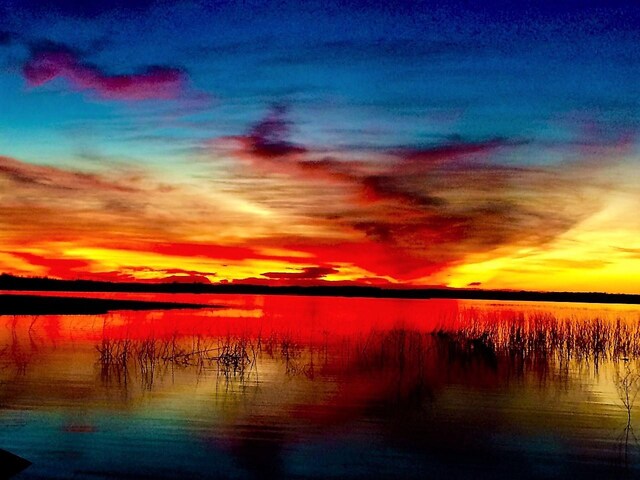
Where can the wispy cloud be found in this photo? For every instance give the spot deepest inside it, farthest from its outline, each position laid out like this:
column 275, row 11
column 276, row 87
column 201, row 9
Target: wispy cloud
column 417, row 210
column 69, row 223
column 27, row 174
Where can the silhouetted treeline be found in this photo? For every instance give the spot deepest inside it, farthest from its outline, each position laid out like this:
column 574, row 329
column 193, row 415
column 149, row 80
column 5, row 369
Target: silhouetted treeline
column 11, row 282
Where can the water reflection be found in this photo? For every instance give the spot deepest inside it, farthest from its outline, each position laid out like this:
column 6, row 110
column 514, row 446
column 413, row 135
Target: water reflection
column 146, row 359
column 627, row 382
column 291, row 387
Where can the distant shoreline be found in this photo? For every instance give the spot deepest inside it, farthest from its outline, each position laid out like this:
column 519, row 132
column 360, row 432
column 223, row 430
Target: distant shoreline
column 18, row 304
column 12, row 283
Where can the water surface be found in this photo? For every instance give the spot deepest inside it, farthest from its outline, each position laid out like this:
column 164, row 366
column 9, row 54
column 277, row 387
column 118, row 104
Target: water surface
column 319, row 387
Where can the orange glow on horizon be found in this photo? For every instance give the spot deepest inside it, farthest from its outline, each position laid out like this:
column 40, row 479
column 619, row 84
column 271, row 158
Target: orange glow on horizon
column 280, row 229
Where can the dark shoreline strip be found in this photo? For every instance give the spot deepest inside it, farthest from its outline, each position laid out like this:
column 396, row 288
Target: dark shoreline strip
column 22, row 284
column 44, row 305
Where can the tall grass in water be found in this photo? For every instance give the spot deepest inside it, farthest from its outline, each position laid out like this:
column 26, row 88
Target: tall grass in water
column 150, row 357
column 477, row 347
column 543, row 334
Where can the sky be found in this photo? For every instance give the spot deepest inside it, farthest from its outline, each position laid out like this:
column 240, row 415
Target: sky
column 461, row 144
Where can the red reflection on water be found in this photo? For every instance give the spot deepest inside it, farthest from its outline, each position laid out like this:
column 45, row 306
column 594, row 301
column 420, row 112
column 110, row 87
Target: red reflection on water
column 308, row 319
column 324, row 364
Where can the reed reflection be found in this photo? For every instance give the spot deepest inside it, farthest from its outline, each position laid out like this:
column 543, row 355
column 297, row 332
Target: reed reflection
column 233, row 358
column 627, row 383
column 435, row 386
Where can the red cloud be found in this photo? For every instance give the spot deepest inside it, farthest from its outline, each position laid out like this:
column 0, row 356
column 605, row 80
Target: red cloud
column 309, row 273
column 56, row 267
column 154, row 83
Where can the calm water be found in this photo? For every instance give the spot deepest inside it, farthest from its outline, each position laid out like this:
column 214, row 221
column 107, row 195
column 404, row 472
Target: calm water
column 292, row 387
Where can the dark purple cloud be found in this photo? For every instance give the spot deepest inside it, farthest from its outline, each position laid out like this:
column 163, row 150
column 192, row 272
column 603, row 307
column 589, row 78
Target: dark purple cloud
column 270, row 136
column 54, row 61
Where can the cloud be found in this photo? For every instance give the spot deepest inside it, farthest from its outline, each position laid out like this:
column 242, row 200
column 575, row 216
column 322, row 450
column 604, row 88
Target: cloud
column 308, row 273
column 381, row 188
column 179, row 271
column 49, row 204
column 56, row 267
column 54, row 264
column 632, row 253
column 201, row 250
column 436, row 155
column 52, row 178
column 268, row 138
column 49, row 61
column 190, row 278
column 410, row 212
column 75, row 224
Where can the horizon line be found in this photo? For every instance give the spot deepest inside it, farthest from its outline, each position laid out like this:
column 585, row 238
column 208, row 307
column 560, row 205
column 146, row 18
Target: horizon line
column 11, row 282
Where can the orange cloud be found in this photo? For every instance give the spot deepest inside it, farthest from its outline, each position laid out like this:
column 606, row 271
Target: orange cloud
column 456, row 213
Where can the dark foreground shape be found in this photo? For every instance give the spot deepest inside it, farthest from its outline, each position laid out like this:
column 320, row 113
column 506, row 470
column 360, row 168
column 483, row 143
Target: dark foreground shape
column 43, row 305
column 11, row 464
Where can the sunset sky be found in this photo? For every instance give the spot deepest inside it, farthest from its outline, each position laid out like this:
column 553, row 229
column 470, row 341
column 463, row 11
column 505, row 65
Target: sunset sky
column 453, row 143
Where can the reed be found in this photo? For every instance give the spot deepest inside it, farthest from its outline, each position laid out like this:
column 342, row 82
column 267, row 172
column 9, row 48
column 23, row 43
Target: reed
column 543, row 334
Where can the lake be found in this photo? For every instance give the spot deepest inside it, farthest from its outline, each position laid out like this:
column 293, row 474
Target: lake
column 324, row 387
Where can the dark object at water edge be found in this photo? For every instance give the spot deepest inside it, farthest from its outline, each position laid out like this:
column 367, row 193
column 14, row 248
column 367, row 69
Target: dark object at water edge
column 11, row 464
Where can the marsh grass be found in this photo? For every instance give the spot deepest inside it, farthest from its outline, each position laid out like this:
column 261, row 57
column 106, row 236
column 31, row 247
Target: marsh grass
column 536, row 335
column 523, row 341
column 150, row 358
